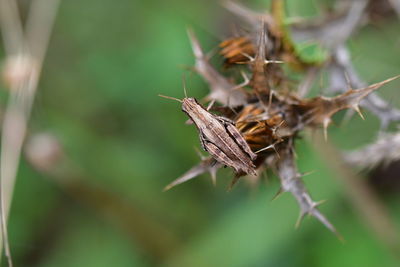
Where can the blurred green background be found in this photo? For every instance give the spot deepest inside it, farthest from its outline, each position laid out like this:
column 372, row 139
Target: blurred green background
column 106, row 64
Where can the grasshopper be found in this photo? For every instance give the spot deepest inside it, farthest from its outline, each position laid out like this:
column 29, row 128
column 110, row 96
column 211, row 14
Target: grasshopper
column 219, row 137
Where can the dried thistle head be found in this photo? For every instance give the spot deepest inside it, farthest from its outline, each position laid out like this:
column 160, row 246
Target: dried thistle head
column 266, row 108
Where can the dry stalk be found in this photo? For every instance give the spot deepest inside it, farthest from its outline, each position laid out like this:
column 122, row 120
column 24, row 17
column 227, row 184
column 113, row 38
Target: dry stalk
column 25, row 50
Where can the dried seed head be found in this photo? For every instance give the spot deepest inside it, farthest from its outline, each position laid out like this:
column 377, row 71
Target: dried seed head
column 262, row 117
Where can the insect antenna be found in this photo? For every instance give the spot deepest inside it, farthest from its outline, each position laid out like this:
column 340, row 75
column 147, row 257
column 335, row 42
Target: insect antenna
column 184, row 85
column 170, row 97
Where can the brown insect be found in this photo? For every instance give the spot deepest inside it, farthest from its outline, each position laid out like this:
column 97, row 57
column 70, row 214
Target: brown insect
column 220, row 137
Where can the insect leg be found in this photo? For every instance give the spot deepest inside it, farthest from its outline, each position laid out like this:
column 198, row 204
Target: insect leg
column 203, row 141
column 219, row 155
column 224, row 120
column 234, row 132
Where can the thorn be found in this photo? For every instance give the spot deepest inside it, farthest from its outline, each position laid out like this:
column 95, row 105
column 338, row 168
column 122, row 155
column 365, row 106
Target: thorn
column 168, row 187
column 270, row 99
column 233, row 110
column 207, row 165
column 198, row 152
column 326, row 123
column 244, row 75
column 197, row 51
column 318, row 203
column 268, row 147
column 250, row 58
column 274, row 129
column 210, row 105
column 357, row 109
column 300, row 219
column 244, row 83
column 263, row 149
column 276, row 151
column 233, row 182
column 213, row 174
column 273, row 61
column 319, row 216
column 278, row 194
column 306, row 173
column 375, row 86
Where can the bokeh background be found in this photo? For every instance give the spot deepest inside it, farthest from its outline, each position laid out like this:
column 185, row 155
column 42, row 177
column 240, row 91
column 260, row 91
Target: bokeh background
column 102, row 204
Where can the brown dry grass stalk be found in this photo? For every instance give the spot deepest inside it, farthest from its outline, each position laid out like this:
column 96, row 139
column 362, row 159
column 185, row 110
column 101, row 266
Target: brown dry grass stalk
column 25, row 51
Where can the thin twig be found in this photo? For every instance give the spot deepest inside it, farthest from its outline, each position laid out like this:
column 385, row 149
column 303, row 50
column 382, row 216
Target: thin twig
column 384, row 151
